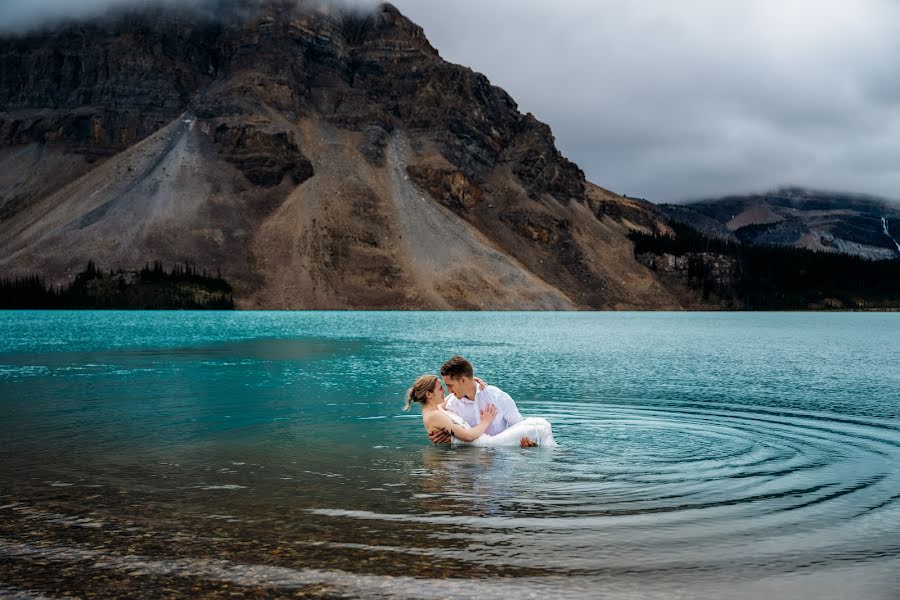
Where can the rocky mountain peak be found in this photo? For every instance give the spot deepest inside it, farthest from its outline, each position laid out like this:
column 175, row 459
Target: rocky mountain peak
column 387, row 22
column 250, row 136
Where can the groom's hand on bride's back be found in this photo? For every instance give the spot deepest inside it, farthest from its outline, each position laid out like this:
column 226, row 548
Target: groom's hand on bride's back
column 440, row 436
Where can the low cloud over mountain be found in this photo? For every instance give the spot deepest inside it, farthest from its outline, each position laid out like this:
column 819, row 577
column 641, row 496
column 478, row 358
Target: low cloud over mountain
column 22, row 15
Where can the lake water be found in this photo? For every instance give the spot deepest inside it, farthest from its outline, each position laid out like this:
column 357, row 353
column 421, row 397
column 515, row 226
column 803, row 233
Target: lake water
column 265, row 454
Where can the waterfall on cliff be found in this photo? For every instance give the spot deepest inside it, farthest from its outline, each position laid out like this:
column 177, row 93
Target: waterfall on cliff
column 887, row 232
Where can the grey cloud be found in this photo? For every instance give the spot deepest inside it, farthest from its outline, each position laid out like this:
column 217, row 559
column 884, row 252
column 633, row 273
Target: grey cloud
column 25, row 15
column 674, row 100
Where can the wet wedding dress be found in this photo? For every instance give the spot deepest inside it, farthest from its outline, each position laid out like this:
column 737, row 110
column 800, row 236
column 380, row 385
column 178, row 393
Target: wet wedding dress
column 534, row 428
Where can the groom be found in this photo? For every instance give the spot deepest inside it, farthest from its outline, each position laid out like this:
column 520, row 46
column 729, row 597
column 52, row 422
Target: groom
column 468, row 399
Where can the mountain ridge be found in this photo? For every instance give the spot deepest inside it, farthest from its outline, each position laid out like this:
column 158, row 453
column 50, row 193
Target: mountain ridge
column 820, row 220
column 319, row 159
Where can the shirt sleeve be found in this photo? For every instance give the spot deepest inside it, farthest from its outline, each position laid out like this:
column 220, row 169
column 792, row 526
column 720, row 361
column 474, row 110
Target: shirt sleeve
column 507, row 406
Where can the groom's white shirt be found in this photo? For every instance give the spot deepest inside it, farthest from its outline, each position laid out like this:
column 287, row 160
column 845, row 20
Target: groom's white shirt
column 507, row 411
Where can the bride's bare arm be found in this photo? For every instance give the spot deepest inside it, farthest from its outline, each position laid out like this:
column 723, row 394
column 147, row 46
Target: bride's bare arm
column 440, row 421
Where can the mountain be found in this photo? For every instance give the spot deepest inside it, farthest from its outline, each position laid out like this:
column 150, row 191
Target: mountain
column 851, row 224
column 318, row 158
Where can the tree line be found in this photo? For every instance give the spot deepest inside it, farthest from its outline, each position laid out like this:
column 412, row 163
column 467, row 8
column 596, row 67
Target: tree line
column 779, row 277
column 151, row 288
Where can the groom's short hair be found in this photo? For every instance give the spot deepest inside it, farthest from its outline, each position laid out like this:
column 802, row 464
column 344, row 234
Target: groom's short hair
column 457, row 367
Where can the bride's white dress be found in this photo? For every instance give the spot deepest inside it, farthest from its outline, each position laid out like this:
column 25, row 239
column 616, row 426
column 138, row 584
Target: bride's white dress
column 534, row 428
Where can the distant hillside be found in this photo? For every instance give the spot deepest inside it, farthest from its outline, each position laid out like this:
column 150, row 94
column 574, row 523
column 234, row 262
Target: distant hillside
column 850, row 224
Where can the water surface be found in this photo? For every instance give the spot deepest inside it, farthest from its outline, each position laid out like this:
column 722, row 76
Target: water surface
column 714, row 455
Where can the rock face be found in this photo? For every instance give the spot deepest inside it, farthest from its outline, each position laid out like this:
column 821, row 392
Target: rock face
column 265, row 158
column 709, row 272
column 318, row 158
column 821, row 221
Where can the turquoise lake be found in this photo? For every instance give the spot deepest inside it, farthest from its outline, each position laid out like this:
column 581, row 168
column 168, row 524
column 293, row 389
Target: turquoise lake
column 265, row 454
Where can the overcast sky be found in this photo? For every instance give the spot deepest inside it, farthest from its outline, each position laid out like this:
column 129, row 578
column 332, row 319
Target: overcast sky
column 679, row 99
column 671, row 100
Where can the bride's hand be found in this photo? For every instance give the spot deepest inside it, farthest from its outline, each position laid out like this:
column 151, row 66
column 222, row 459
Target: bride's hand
column 481, row 384
column 489, row 412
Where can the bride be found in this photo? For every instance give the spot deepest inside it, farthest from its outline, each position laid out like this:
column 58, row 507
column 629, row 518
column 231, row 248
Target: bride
column 429, row 392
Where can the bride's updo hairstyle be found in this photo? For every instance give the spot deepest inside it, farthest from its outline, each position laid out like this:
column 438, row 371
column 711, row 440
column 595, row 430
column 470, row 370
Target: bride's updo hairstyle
column 422, row 386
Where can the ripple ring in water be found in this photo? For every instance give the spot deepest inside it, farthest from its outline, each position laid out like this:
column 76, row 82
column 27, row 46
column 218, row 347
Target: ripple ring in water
column 688, row 484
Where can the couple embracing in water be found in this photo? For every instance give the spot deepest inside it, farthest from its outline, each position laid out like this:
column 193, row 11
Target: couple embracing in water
column 472, row 412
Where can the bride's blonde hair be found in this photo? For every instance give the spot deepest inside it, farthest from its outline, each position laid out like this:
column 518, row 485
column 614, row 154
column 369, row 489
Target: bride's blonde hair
column 422, row 386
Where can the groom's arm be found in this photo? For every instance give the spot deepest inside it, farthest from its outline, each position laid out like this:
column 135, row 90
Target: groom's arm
column 507, row 407
column 440, row 436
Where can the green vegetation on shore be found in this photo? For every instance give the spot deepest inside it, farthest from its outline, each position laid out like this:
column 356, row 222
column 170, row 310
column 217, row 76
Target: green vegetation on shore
column 151, row 288
column 758, row 277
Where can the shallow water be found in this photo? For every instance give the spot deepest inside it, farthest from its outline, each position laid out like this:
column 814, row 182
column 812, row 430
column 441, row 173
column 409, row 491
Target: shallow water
column 713, row 455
